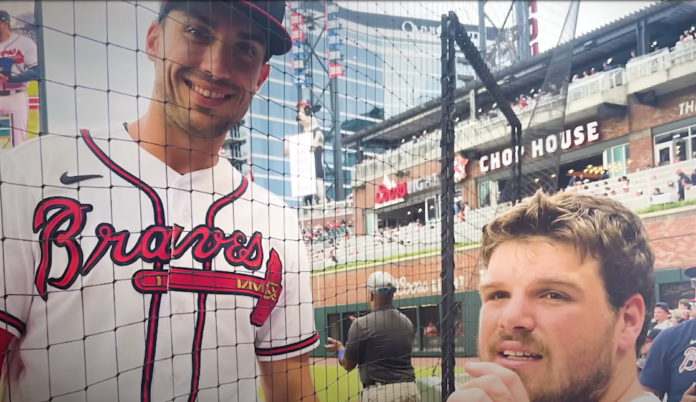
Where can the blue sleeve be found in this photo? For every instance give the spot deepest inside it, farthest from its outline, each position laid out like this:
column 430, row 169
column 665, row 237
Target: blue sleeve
column 656, row 371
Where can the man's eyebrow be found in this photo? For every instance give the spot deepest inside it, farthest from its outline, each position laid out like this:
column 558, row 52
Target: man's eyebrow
column 254, row 37
column 197, row 14
column 543, row 282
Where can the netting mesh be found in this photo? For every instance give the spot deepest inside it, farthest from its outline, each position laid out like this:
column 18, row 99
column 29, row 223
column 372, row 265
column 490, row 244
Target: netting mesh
column 151, row 271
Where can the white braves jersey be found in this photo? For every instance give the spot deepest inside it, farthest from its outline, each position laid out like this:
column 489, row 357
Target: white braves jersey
column 126, row 281
column 23, row 51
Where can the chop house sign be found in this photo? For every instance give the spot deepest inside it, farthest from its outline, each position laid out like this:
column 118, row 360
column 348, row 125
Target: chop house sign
column 576, row 137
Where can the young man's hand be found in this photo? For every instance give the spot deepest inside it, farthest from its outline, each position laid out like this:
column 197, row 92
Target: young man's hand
column 491, row 383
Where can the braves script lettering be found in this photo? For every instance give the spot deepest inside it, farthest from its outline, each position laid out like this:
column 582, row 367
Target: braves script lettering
column 13, row 54
column 60, row 222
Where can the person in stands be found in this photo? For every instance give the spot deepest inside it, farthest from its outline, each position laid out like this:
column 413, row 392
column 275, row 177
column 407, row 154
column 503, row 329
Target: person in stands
column 670, row 367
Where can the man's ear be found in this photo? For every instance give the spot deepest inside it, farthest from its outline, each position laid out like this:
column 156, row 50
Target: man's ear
column 263, row 75
column 152, row 41
column 630, row 320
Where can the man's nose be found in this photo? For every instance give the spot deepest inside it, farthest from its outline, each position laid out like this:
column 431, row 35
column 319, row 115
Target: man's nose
column 218, row 61
column 517, row 316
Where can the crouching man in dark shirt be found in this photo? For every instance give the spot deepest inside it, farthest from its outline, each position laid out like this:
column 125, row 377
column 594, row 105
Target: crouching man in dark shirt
column 380, row 344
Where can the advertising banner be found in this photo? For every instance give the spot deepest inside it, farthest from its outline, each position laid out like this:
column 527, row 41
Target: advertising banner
column 19, row 90
column 298, row 150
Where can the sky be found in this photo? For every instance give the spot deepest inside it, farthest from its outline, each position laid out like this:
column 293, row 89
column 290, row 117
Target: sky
column 550, row 14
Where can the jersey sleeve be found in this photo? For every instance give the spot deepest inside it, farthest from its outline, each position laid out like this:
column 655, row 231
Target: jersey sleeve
column 16, row 256
column 290, row 331
column 31, row 56
column 656, row 370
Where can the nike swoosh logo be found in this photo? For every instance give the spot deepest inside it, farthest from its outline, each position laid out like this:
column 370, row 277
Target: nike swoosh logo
column 67, row 180
column 692, row 341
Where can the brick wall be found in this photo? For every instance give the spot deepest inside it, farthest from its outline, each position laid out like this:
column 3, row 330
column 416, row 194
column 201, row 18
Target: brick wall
column 667, row 110
column 673, row 240
column 640, row 150
column 348, row 286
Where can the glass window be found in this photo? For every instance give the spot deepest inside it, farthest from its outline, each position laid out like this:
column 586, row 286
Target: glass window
column 484, row 194
column 333, row 326
column 278, row 167
column 616, row 160
column 680, row 149
column 693, row 147
column 259, row 145
column 430, row 327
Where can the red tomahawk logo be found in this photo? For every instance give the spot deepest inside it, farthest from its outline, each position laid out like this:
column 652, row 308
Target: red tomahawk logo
column 267, row 289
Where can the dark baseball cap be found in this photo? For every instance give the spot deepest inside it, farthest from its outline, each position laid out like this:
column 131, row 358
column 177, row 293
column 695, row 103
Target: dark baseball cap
column 690, row 272
column 663, row 306
column 267, row 13
column 4, row 16
column 652, row 334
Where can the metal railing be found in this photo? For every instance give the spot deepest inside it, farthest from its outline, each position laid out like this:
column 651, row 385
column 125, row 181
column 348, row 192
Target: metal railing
column 596, row 83
column 409, row 156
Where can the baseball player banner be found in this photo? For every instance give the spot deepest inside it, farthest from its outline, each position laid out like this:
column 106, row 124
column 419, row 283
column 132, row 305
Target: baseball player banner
column 19, row 71
column 301, row 164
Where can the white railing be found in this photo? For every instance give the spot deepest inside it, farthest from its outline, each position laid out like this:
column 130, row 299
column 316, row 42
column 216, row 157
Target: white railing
column 238, row 153
column 470, row 134
column 406, row 240
column 596, row 83
column 683, row 54
column 429, row 149
column 426, row 239
column 327, row 210
column 648, row 64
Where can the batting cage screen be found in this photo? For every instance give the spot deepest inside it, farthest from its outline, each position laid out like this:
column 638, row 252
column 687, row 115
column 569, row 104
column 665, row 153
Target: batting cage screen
column 259, row 200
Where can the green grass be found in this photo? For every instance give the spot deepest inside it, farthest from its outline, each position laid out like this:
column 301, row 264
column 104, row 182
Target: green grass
column 664, row 207
column 392, row 258
column 333, row 384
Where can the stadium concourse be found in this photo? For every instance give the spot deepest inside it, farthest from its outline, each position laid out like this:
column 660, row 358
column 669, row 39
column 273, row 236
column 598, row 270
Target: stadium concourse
column 629, row 134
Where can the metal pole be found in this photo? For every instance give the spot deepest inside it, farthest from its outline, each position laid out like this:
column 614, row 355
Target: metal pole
column 339, row 193
column 482, row 27
column 522, row 19
column 43, row 98
column 447, row 212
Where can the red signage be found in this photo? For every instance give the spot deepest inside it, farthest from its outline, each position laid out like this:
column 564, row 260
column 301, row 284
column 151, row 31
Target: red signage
column 335, row 70
column 385, row 194
column 533, row 27
column 296, row 19
column 297, row 35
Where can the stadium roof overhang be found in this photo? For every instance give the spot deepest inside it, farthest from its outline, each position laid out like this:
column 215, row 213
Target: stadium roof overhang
column 662, row 19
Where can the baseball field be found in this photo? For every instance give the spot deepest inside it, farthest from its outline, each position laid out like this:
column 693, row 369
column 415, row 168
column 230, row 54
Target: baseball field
column 333, row 384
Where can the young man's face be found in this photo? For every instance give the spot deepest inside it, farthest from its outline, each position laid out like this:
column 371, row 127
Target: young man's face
column 660, row 314
column 209, row 63
column 542, row 302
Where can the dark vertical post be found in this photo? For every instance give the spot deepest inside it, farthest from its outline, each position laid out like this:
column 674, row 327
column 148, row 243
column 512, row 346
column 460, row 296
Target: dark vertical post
column 642, row 38
column 43, row 96
column 447, row 212
column 339, row 191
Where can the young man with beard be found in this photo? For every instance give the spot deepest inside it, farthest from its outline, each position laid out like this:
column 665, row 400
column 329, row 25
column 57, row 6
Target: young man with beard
column 139, row 265
column 566, row 304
